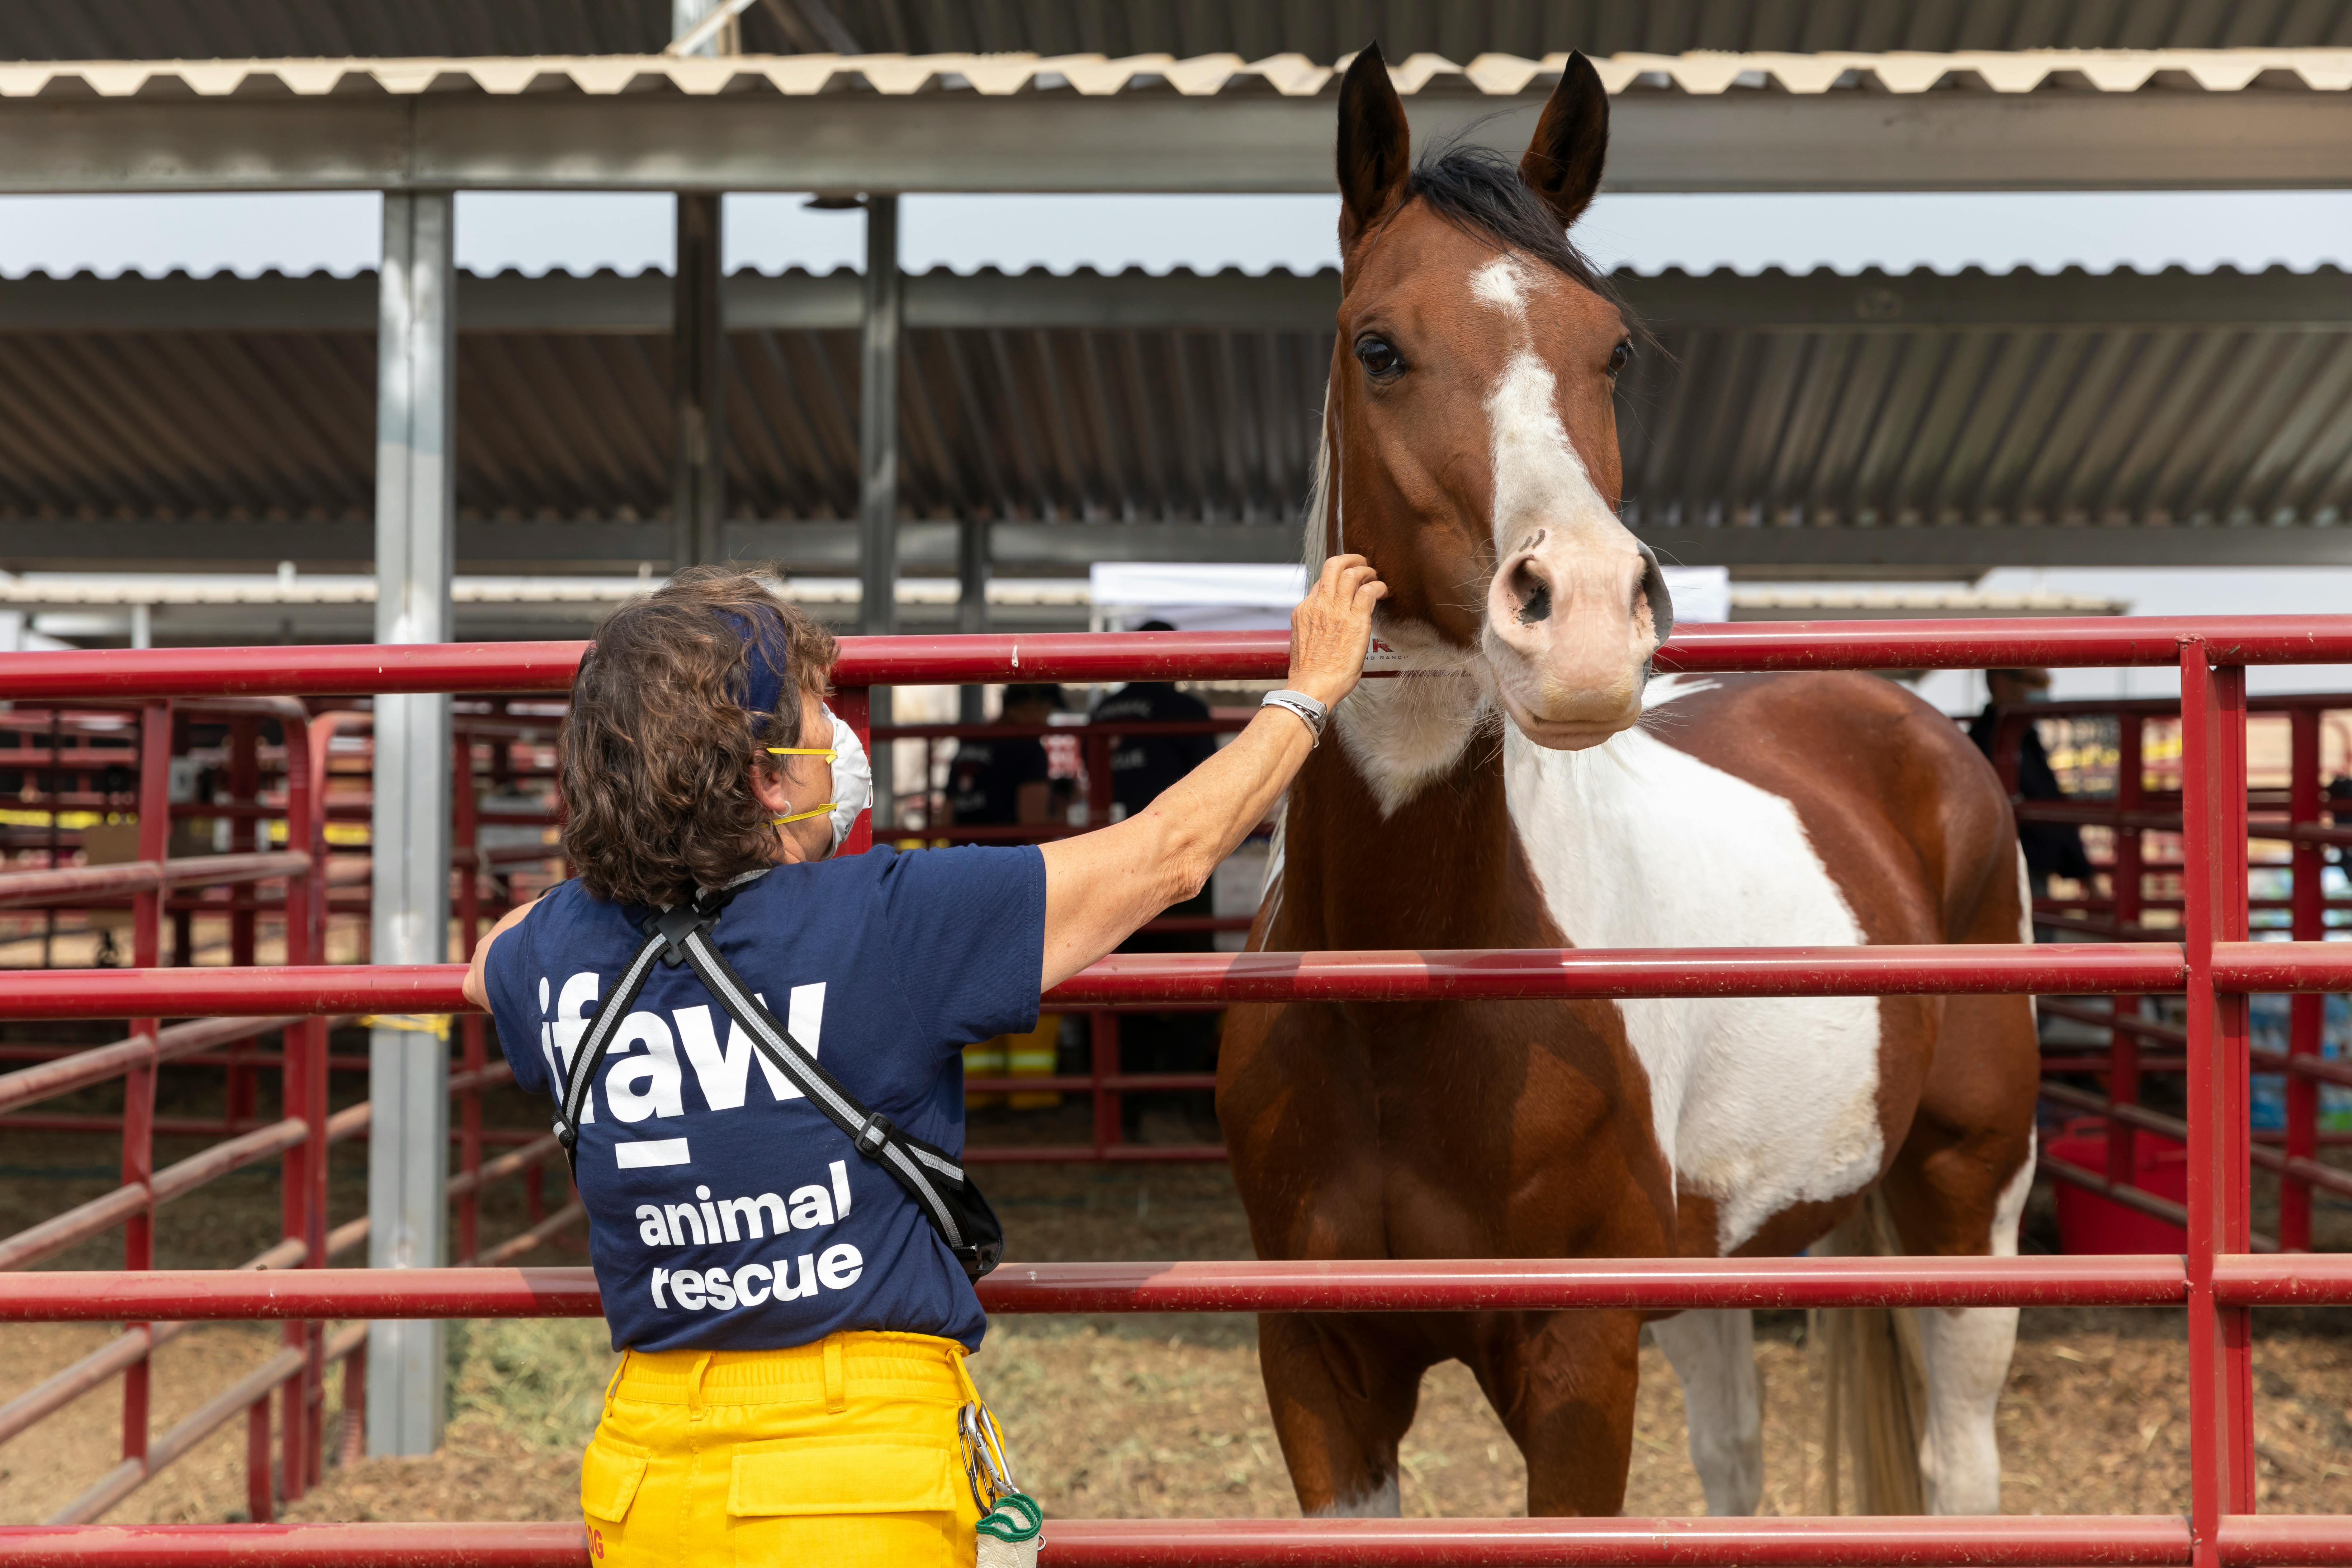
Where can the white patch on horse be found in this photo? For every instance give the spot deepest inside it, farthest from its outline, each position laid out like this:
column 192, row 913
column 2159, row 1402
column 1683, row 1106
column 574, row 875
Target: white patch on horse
column 1383, row 1502
column 1758, row 1102
column 1540, row 482
column 1403, row 731
column 1502, row 283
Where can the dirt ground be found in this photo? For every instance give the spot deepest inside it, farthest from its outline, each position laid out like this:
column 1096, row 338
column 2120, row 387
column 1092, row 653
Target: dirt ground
column 1158, row 1415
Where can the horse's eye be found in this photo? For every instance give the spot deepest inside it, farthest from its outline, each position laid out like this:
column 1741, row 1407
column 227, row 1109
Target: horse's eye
column 1379, row 357
column 1620, row 357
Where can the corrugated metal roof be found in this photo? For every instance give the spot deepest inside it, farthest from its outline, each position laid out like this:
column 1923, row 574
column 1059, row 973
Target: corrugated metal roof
column 1906, row 423
column 1816, row 405
column 1326, row 28
column 1068, row 425
column 1204, row 76
column 1321, row 29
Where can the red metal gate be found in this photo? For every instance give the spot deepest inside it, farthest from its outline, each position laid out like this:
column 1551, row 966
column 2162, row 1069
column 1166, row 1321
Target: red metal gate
column 2213, row 964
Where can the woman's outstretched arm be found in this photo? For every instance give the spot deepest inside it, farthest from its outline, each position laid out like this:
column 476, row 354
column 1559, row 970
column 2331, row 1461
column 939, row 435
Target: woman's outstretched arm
column 1101, row 886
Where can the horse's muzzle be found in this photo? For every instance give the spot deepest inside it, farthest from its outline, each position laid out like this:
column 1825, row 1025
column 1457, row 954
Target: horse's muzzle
column 1567, row 636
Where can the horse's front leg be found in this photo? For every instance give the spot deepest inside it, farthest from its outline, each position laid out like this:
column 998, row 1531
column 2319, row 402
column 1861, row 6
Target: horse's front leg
column 1342, row 1393
column 1563, row 1383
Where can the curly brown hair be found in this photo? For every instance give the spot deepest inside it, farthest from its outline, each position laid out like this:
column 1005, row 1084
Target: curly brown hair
column 652, row 757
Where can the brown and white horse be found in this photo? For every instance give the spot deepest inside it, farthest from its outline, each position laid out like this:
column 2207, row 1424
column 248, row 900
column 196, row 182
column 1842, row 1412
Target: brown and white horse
column 1530, row 786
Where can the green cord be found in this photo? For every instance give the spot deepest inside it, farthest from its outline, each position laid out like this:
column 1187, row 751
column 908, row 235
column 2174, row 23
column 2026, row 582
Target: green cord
column 1015, row 1518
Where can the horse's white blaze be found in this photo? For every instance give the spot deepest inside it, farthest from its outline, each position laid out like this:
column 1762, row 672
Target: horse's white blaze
column 1539, row 481
column 1759, row 1102
column 1502, row 284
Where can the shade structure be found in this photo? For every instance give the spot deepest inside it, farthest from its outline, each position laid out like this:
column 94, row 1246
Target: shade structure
column 1822, row 422
column 2026, row 120
column 173, row 29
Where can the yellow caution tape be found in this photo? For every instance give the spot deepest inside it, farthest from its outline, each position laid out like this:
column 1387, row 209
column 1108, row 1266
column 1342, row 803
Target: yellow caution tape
column 434, row 1023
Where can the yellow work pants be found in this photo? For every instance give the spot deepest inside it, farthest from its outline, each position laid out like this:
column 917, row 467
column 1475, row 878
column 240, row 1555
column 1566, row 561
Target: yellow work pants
column 844, row 1453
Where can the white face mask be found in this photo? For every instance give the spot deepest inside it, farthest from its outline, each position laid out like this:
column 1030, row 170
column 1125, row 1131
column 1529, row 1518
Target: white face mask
column 853, row 781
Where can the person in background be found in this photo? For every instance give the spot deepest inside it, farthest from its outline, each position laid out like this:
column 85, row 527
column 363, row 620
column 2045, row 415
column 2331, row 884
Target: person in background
column 1003, row 781
column 2052, row 848
column 1141, row 766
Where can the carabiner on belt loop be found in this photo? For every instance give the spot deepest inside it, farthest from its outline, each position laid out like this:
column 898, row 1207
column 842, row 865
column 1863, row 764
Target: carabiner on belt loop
column 983, row 1455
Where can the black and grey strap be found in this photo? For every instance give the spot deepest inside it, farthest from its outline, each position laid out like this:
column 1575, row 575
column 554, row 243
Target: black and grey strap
column 588, row 1055
column 874, row 1135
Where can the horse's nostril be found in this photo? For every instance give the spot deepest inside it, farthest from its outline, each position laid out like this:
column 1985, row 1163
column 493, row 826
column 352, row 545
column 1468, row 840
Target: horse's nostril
column 1537, row 605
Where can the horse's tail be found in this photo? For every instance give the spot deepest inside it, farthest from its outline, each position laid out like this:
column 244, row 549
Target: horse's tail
column 1873, row 1381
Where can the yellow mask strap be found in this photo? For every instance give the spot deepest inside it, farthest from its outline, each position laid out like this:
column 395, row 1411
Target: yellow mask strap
column 803, row 816
column 827, row 752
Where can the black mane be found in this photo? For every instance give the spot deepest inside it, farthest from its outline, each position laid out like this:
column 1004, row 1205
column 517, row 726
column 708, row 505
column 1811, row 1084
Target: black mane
column 1479, row 192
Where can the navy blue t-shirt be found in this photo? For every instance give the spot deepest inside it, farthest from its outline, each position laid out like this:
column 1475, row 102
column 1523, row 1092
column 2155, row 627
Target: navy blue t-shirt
column 724, row 1211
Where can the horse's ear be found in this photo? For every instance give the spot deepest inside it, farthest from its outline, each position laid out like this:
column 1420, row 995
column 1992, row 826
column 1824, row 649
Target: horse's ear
column 1563, row 161
column 1375, row 145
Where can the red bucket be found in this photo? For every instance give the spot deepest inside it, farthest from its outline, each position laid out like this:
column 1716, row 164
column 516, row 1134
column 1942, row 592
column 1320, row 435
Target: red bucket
column 2091, row 1222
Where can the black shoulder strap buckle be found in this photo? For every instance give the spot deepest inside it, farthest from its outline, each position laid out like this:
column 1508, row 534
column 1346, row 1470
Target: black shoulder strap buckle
column 674, row 925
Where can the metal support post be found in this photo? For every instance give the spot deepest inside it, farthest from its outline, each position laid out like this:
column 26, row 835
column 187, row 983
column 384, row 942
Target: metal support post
column 303, row 1092
column 698, row 361
column 971, row 605
column 244, row 837
column 2213, row 845
column 1102, row 1064
column 1103, row 1059
column 408, row 1153
column 722, row 35
column 138, row 1083
column 473, row 1029
column 878, row 460
column 2123, row 1044
column 2308, row 1012
column 261, row 1500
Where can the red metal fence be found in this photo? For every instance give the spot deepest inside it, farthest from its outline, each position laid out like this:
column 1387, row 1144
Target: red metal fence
column 2219, row 1279
column 2141, row 815
column 303, row 1131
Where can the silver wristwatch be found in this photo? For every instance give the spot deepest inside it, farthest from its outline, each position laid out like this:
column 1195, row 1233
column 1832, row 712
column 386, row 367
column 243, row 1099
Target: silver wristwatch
column 1311, row 713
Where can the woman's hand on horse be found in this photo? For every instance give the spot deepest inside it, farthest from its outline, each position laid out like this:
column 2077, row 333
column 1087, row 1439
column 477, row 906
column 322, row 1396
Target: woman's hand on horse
column 1332, row 627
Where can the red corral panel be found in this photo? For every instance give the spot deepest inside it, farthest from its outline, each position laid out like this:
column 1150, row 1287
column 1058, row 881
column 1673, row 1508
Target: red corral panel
column 2207, row 954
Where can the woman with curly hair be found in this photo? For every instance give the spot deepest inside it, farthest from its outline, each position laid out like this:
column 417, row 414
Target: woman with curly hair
column 755, row 1051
